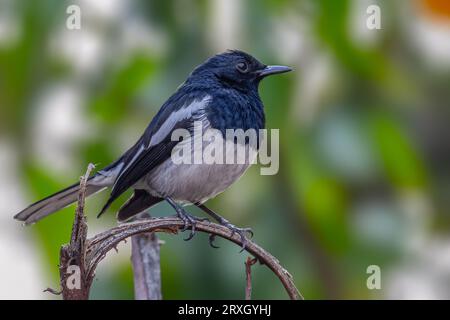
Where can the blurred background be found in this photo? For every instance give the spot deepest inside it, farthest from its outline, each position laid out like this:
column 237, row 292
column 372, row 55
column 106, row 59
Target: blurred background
column 364, row 140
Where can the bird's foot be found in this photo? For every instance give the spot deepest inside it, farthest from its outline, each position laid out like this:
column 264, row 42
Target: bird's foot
column 240, row 231
column 189, row 219
column 212, row 238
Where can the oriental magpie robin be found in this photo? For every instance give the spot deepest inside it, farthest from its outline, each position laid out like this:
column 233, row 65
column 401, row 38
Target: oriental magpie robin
column 222, row 94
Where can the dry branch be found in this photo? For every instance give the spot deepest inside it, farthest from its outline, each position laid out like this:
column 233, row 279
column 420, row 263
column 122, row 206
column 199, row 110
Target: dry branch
column 74, row 283
column 84, row 255
column 100, row 244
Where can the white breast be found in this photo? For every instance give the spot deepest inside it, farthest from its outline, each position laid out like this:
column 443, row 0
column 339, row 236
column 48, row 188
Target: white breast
column 192, row 183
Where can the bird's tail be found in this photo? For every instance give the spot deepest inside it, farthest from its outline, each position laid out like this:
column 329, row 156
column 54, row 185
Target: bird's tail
column 59, row 200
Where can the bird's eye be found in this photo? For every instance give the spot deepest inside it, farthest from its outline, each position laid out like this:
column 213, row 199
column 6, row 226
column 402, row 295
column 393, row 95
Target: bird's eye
column 242, row 67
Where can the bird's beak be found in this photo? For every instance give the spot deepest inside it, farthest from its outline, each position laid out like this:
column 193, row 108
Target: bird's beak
column 269, row 70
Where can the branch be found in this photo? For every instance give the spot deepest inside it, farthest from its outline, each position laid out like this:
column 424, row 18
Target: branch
column 99, row 245
column 79, row 259
column 74, row 283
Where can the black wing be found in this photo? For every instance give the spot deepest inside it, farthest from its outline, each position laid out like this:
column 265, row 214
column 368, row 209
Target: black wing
column 144, row 162
column 143, row 156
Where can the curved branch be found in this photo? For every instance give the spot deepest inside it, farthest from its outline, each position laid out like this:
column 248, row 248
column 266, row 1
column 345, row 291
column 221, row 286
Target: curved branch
column 99, row 245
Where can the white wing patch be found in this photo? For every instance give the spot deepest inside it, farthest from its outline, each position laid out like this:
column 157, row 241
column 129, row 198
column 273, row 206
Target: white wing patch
column 184, row 113
column 141, row 148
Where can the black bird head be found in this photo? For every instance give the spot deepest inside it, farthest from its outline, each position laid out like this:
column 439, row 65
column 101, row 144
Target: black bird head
column 236, row 69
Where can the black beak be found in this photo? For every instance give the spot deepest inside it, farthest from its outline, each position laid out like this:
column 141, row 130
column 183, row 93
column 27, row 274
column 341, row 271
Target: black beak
column 269, row 70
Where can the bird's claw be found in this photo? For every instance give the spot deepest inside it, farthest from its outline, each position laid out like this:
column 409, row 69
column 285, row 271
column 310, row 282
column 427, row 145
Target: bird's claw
column 241, row 232
column 192, row 220
column 189, row 219
column 212, row 238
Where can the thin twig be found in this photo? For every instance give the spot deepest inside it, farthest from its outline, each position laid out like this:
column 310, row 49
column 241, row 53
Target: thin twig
column 79, row 213
column 248, row 277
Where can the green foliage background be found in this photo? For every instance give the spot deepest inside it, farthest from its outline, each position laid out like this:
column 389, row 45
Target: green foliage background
column 375, row 142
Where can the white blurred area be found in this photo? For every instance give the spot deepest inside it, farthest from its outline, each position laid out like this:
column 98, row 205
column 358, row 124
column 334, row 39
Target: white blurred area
column 424, row 274
column 61, row 123
column 430, row 36
column 20, row 265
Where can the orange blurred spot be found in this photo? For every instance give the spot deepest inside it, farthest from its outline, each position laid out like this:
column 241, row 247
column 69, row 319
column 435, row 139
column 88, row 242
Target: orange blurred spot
column 437, row 8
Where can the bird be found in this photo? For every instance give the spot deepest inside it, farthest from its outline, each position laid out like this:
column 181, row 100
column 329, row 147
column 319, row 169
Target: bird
column 222, row 94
